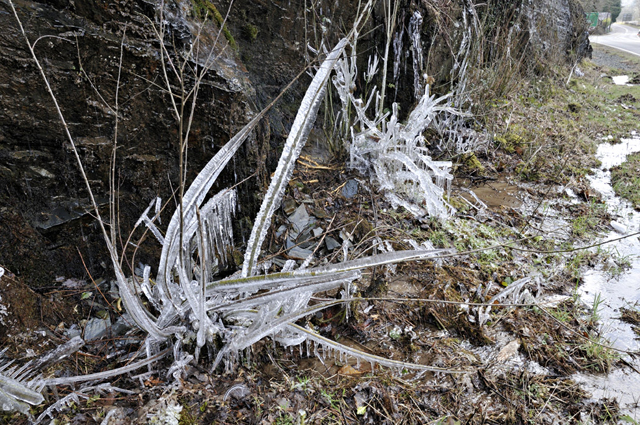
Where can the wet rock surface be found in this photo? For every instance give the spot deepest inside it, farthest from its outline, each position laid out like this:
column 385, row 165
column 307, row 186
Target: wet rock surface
column 80, row 49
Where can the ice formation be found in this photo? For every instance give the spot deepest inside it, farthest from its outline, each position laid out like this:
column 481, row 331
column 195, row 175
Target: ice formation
column 295, row 142
column 393, row 153
column 188, row 303
column 415, row 29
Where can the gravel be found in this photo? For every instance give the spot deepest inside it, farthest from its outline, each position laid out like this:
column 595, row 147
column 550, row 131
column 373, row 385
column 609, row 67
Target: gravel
column 609, row 57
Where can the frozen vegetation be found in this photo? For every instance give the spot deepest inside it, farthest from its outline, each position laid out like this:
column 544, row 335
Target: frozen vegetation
column 185, row 302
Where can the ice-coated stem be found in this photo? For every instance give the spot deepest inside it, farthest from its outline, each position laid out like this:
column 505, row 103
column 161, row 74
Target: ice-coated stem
column 295, row 142
column 194, row 198
column 106, row 374
column 13, row 389
column 325, row 342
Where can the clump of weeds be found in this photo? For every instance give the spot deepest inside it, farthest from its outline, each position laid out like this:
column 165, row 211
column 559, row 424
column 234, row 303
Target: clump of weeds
column 625, row 180
column 561, row 339
column 588, row 217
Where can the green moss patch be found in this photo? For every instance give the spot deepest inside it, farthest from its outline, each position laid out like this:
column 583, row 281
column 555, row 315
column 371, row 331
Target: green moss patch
column 512, row 141
column 205, row 9
column 250, row 32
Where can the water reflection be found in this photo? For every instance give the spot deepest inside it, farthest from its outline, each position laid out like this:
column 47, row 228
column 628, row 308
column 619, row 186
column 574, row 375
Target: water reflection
column 617, row 293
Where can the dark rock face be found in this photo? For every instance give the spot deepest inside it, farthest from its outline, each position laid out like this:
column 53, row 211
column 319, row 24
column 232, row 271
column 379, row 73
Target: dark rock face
column 557, row 28
column 45, row 208
column 46, row 227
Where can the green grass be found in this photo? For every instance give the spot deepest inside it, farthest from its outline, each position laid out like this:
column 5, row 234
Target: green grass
column 588, row 219
column 625, row 179
column 548, row 130
column 599, row 357
column 604, row 104
column 465, row 236
column 561, row 314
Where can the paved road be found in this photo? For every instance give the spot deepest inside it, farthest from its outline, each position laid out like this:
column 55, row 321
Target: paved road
column 622, row 37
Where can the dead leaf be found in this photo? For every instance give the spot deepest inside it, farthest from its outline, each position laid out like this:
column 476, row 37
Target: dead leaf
column 153, row 382
column 508, row 351
column 348, row 371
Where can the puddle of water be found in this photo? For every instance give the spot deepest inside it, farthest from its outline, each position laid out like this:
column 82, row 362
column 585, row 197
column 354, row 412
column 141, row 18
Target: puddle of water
column 620, row 80
column 496, row 194
column 623, row 384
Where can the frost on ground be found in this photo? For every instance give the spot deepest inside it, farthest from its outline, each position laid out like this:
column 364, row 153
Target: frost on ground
column 164, row 412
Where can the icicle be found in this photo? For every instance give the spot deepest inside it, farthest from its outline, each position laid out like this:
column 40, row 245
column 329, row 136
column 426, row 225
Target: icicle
column 372, row 69
column 192, row 199
column 146, row 287
column 158, row 209
column 397, row 57
column 59, row 405
column 415, row 30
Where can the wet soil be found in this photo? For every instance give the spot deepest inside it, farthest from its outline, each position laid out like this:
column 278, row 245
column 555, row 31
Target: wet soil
column 516, row 365
column 495, row 194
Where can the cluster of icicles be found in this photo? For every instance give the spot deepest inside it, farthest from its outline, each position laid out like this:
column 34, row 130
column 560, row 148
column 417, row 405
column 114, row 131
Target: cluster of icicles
column 396, row 154
column 236, row 312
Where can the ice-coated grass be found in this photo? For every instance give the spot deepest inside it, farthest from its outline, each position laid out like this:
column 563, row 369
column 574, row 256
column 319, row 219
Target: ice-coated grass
column 185, row 302
column 298, row 135
column 395, row 154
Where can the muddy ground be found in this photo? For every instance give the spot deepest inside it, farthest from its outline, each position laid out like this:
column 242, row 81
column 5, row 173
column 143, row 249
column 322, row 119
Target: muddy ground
column 523, row 210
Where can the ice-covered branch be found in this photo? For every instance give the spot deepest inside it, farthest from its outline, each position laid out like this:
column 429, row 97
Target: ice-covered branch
column 295, row 142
